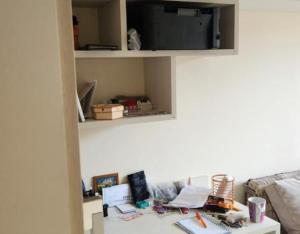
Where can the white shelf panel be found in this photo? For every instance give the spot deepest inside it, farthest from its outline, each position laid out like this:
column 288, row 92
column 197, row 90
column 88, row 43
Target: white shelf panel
column 159, row 53
column 90, row 124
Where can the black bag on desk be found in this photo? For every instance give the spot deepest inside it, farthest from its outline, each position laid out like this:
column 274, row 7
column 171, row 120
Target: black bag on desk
column 138, row 185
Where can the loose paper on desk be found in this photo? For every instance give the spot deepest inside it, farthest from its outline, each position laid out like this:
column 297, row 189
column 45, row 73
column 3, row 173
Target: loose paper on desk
column 191, row 197
column 117, row 195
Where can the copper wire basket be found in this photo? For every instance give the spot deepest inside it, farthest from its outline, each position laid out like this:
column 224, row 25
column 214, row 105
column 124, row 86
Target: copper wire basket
column 223, row 186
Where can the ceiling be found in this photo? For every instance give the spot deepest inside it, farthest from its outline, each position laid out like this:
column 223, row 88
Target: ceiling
column 271, row 5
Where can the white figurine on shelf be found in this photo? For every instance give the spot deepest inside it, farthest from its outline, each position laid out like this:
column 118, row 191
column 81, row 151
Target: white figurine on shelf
column 134, row 41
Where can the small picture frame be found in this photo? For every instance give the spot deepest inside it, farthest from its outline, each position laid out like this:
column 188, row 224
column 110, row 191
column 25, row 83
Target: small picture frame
column 104, row 181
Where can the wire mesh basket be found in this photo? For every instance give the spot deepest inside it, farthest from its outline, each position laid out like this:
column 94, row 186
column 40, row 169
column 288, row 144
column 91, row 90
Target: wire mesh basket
column 223, row 186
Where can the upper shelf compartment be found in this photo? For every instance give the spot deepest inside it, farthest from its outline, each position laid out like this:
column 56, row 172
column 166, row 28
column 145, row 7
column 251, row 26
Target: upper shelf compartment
column 99, row 23
column 106, row 22
column 178, row 25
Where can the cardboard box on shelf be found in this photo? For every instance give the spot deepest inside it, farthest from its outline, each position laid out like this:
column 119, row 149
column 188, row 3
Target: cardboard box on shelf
column 107, row 111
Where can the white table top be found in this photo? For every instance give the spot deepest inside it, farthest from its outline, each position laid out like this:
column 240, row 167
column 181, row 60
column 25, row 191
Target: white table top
column 152, row 223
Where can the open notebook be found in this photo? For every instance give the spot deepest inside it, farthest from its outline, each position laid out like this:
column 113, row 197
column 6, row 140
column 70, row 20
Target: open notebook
column 192, row 226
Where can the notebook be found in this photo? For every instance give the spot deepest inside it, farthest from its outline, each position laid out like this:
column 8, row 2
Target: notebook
column 192, row 226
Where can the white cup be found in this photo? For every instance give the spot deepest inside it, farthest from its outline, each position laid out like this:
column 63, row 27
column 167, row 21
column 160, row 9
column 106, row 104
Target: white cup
column 257, row 209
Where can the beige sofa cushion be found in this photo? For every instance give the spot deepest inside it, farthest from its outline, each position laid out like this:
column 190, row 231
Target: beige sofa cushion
column 285, row 198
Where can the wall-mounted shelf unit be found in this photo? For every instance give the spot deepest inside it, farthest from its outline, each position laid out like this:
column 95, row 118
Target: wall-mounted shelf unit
column 146, row 72
column 105, row 22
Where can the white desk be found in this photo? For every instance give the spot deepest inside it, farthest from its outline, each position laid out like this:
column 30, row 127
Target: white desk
column 152, row 223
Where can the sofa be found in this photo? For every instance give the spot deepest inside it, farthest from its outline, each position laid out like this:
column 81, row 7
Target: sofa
column 266, row 187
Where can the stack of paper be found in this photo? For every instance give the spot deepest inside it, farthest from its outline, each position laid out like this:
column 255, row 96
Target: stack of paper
column 191, row 197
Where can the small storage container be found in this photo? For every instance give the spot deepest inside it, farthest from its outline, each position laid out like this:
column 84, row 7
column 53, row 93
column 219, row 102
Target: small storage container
column 107, row 111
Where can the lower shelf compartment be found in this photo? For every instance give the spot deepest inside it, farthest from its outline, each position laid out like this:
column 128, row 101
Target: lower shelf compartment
column 90, row 124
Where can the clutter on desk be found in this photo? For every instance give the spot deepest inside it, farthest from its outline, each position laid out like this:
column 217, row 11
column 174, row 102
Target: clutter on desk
column 257, row 209
column 117, row 195
column 159, row 208
column 207, row 225
column 131, row 216
column 105, row 210
column 215, row 204
column 219, row 205
column 223, row 186
column 191, row 197
column 142, row 204
column 224, row 211
column 233, row 220
column 138, row 186
column 164, row 192
column 107, row 111
column 167, row 192
column 126, row 208
column 184, row 210
column 217, row 214
column 104, row 181
column 200, row 219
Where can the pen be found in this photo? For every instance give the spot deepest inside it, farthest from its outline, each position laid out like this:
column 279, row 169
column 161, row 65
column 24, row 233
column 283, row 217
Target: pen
column 200, row 219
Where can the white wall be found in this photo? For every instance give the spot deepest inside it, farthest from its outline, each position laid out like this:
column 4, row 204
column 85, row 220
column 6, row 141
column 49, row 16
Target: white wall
column 236, row 114
column 271, row 5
